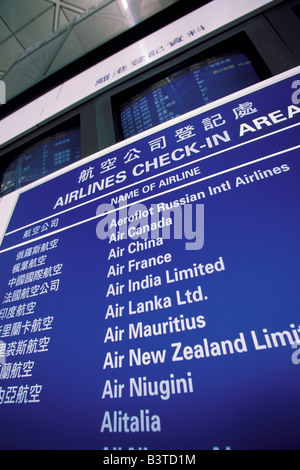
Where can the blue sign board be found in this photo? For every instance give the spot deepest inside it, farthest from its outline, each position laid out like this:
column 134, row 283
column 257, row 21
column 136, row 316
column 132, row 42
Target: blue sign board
column 149, row 297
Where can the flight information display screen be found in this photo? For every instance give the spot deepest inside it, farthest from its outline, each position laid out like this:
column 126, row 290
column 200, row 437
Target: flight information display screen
column 45, row 157
column 185, row 90
column 149, row 295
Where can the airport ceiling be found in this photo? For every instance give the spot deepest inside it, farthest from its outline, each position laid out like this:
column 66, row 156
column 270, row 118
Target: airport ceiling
column 39, row 37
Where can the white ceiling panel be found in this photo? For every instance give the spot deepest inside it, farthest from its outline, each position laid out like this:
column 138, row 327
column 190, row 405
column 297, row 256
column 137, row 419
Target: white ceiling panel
column 17, row 13
column 66, row 16
column 33, row 32
column 29, row 29
column 10, row 50
column 84, row 4
column 4, row 31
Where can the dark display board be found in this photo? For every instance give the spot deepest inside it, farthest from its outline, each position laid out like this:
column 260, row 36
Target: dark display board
column 43, row 158
column 187, row 89
column 116, row 333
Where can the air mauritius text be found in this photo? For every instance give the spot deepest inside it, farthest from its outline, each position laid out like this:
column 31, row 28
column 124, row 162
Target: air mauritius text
column 140, row 222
